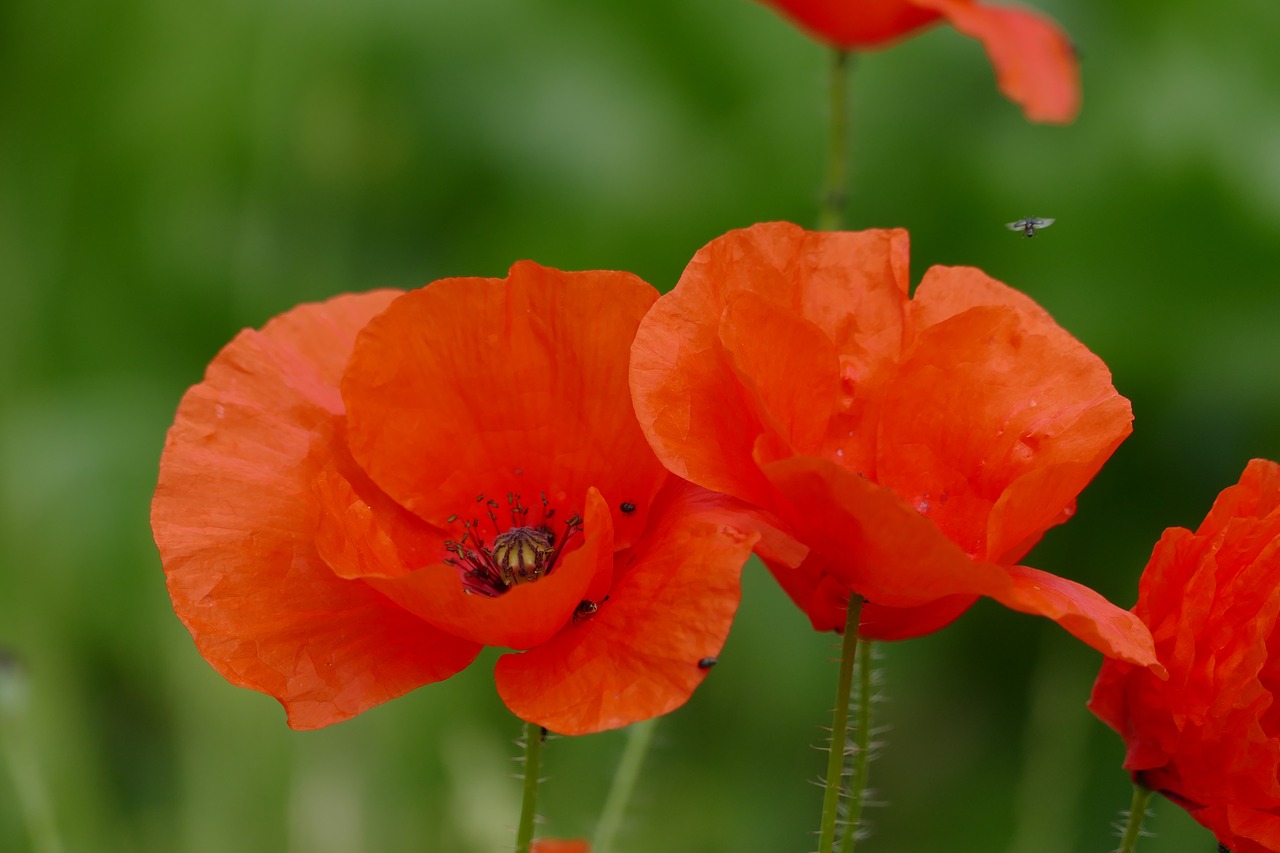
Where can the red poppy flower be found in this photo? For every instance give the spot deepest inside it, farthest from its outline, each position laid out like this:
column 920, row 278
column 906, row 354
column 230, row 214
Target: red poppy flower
column 1035, row 63
column 362, row 495
column 919, row 446
column 556, row 845
column 1208, row 737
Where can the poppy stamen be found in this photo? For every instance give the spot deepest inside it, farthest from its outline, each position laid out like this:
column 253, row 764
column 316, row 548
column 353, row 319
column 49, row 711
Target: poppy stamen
column 522, row 553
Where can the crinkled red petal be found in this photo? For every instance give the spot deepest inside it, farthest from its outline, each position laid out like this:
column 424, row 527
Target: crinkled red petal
column 673, row 599
column 234, row 518
column 825, row 601
column 794, row 386
column 869, row 541
column 362, row 532
column 494, row 387
column 1257, row 495
column 1241, row 828
column 702, row 422
column 997, row 417
column 1206, row 736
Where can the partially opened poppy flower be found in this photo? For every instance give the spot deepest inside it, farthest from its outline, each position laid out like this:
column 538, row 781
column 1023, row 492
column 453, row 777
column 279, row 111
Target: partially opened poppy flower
column 361, row 496
column 918, row 446
column 1208, row 737
column 1035, row 64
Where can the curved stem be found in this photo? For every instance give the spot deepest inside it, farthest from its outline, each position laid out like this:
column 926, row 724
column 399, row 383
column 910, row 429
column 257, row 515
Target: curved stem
column 533, row 738
column 862, row 747
column 839, row 727
column 1133, row 826
column 639, row 737
column 835, row 190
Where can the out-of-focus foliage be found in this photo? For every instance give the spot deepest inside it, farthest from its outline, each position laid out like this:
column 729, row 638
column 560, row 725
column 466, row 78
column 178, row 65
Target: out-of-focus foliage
column 173, row 172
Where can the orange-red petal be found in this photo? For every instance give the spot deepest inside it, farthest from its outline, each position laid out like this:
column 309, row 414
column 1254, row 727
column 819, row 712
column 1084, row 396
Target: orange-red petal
column 1244, row 829
column 1035, row 63
column 865, row 539
column 791, row 376
column 869, row 540
column 495, row 386
column 825, row 601
column 1257, row 495
column 673, row 599
column 1085, row 614
column 997, row 417
column 701, row 421
column 234, row 521
column 362, row 532
column 904, row 623
column 946, row 291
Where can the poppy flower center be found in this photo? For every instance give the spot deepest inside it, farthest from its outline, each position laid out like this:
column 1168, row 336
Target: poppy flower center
column 520, row 553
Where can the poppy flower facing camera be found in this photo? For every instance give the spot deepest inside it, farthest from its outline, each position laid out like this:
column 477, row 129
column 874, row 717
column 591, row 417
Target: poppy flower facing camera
column 1208, row 737
column 1036, row 66
column 919, row 446
column 361, row 496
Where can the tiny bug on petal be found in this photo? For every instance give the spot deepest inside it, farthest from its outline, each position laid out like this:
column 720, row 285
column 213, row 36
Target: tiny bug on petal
column 627, row 507
column 707, row 663
column 1029, row 225
column 586, row 609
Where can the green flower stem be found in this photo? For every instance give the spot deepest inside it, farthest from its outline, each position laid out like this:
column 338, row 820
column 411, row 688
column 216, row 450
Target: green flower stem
column 32, row 800
column 862, row 755
column 19, row 757
column 1055, row 747
column 840, row 727
column 533, row 738
column 1133, row 826
column 639, row 737
column 835, row 189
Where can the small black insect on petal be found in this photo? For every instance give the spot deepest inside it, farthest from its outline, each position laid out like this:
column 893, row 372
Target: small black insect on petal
column 707, row 663
column 627, row 507
column 586, row 609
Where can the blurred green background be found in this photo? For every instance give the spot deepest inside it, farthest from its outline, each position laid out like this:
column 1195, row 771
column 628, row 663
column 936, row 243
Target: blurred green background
column 173, row 172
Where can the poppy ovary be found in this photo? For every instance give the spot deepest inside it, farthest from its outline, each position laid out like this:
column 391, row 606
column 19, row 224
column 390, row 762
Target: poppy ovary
column 522, row 553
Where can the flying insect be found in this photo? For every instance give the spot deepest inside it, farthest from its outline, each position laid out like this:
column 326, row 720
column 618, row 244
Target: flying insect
column 1029, row 225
